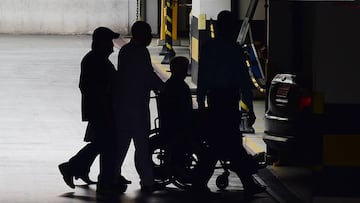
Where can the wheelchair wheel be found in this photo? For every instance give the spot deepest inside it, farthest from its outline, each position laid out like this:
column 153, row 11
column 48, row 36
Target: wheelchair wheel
column 160, row 160
column 184, row 171
column 222, row 181
column 184, row 165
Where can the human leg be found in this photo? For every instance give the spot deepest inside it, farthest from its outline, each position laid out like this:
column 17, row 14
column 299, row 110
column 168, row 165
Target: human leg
column 82, row 161
column 207, row 133
column 204, row 169
column 79, row 165
column 107, row 179
column 142, row 158
column 244, row 166
column 107, row 164
column 124, row 140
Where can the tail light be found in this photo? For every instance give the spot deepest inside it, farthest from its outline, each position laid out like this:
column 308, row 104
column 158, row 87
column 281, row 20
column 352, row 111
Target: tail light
column 305, row 102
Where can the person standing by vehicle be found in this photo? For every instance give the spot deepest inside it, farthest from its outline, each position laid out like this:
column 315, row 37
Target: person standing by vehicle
column 96, row 74
column 222, row 76
column 135, row 78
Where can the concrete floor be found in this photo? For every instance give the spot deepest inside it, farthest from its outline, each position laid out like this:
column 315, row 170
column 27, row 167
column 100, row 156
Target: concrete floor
column 40, row 125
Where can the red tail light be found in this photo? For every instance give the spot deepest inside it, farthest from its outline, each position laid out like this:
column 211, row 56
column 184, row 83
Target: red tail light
column 305, row 102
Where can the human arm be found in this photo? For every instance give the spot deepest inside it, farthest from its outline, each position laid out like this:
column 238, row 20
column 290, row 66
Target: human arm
column 203, row 78
column 246, row 87
column 155, row 82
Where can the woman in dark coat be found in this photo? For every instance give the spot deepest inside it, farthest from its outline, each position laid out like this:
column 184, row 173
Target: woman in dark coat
column 95, row 79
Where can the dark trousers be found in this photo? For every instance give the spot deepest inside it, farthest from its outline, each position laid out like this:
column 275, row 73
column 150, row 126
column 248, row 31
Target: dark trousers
column 81, row 162
column 224, row 138
column 103, row 142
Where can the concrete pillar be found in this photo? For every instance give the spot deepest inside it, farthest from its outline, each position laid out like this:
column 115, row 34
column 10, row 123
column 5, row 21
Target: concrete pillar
column 202, row 13
column 152, row 8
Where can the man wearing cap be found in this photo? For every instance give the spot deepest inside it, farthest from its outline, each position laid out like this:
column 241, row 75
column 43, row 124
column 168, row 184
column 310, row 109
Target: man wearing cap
column 96, row 74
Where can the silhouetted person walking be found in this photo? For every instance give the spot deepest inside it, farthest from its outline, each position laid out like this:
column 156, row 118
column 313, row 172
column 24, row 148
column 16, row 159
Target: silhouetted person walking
column 222, row 75
column 134, row 80
column 96, row 74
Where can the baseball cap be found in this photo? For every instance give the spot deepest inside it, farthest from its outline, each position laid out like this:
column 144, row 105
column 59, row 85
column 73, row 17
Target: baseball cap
column 104, row 33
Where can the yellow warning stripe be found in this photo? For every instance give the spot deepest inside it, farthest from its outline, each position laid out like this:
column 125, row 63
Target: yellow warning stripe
column 168, row 33
column 168, row 19
column 244, row 106
column 168, row 46
column 341, row 150
column 251, row 145
column 162, row 69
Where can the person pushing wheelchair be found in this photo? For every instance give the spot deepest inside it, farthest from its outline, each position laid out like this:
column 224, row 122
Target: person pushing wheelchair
column 223, row 80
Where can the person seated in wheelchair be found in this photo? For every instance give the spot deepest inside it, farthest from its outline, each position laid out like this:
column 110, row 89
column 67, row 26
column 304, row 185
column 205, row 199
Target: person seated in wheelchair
column 176, row 105
column 178, row 125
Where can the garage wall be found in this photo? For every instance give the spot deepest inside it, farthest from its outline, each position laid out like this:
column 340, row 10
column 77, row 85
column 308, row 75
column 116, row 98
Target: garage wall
column 65, row 16
column 336, row 52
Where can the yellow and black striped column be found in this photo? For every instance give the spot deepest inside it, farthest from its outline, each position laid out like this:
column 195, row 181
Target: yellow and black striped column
column 167, row 49
column 198, row 38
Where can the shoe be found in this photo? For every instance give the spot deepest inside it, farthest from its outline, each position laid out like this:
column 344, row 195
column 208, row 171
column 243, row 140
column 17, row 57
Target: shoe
column 85, row 178
column 110, row 190
column 66, row 173
column 123, row 180
column 255, row 189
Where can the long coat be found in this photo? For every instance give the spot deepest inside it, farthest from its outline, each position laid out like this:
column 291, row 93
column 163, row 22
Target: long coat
column 96, row 74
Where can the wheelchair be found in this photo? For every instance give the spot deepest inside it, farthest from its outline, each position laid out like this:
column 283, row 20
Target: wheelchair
column 177, row 166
